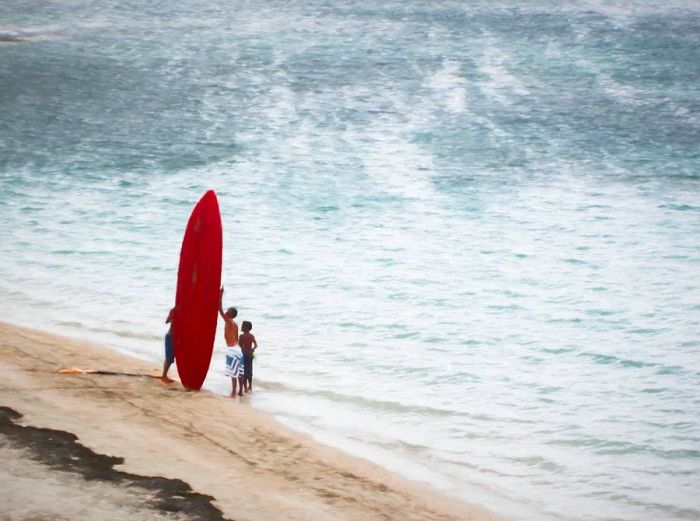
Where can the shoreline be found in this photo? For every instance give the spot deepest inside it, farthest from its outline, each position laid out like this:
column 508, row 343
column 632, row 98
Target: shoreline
column 252, row 466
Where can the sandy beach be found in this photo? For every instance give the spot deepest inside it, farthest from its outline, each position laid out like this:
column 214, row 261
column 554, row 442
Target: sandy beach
column 92, row 446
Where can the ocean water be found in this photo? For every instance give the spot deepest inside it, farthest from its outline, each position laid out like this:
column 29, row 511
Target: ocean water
column 467, row 233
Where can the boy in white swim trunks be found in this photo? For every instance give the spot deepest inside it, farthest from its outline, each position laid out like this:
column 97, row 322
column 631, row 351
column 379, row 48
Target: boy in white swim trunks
column 234, row 355
column 235, row 369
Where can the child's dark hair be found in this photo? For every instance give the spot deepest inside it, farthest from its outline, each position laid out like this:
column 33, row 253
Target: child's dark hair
column 246, row 326
column 233, row 311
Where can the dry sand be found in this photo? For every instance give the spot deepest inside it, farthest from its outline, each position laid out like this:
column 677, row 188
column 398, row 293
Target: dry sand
column 110, row 447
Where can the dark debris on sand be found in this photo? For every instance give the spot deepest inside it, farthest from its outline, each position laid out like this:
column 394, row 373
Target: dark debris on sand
column 60, row 450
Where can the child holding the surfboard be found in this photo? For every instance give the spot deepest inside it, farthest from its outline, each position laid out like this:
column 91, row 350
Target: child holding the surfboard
column 234, row 355
column 169, row 352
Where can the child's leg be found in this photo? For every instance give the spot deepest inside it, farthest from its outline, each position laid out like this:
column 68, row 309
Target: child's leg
column 248, row 373
column 169, row 358
column 164, row 376
column 233, row 386
column 241, row 385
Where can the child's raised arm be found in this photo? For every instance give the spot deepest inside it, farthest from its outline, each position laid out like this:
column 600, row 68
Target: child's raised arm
column 221, row 307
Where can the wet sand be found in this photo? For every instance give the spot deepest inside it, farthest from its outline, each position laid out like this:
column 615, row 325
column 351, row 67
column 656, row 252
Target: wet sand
column 98, row 447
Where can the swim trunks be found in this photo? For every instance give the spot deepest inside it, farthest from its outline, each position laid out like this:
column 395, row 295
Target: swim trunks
column 234, row 362
column 169, row 352
column 248, row 367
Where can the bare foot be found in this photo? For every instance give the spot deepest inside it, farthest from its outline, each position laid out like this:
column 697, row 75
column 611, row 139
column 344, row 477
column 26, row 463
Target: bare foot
column 165, row 381
column 240, row 394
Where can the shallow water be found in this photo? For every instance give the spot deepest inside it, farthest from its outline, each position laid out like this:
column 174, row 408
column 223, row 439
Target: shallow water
column 467, row 235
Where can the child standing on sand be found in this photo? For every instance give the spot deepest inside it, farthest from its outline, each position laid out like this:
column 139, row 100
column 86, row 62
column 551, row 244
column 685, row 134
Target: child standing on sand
column 169, row 352
column 248, row 346
column 234, row 356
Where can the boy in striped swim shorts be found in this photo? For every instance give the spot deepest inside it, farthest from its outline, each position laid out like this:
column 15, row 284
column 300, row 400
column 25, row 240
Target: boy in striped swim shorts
column 234, row 355
column 235, row 369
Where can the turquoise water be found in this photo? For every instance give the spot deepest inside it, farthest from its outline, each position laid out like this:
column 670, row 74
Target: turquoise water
column 467, row 234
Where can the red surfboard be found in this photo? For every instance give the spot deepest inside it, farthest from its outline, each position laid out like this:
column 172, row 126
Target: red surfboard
column 197, row 298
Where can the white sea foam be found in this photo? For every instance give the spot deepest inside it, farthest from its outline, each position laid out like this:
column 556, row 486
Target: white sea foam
column 449, row 85
column 500, row 84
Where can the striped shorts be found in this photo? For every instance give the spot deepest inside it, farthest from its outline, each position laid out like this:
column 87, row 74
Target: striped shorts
column 234, row 362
